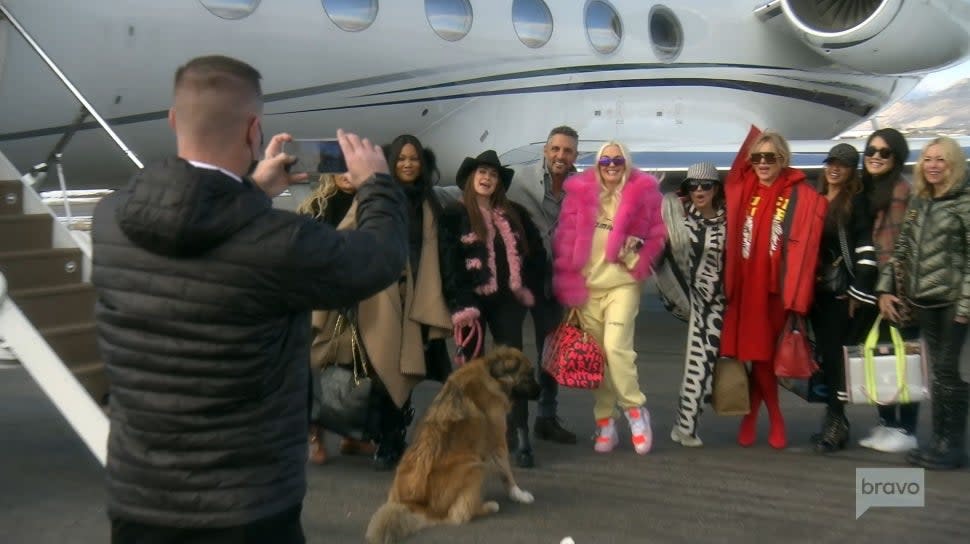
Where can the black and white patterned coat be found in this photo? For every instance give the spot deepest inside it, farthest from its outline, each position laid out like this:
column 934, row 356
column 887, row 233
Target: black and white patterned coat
column 690, row 279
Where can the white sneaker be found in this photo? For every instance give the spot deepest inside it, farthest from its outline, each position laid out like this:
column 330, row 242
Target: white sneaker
column 642, row 435
column 895, row 441
column 875, row 435
column 606, row 437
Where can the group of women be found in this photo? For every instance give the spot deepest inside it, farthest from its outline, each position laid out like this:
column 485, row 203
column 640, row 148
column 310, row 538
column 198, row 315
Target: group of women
column 737, row 259
column 475, row 265
column 746, row 255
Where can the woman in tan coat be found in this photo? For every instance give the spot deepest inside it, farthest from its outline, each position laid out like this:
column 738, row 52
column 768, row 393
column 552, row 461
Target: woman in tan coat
column 329, row 203
column 403, row 327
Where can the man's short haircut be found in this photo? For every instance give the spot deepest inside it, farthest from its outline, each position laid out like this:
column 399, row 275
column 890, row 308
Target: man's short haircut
column 218, row 71
column 214, row 93
column 565, row 131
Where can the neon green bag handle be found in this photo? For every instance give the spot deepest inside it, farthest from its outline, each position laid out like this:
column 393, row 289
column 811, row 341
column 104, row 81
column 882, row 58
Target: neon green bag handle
column 872, row 340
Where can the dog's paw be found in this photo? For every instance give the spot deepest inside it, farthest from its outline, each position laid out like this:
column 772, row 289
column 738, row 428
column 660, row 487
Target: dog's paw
column 518, row 494
column 490, row 506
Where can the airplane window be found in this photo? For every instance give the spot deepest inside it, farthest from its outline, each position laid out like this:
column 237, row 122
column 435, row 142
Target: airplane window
column 351, row 15
column 450, row 19
column 666, row 34
column 532, row 21
column 230, row 9
column 603, row 26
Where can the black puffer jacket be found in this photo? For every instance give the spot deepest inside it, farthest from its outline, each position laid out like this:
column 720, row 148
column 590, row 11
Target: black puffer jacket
column 934, row 250
column 203, row 319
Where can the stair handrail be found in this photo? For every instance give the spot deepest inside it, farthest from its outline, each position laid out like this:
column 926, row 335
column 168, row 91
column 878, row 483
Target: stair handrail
column 70, row 86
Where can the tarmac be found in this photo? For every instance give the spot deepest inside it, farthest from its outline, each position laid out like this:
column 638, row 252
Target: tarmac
column 51, row 487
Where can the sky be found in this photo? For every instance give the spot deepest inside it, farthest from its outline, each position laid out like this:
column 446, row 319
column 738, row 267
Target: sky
column 943, row 79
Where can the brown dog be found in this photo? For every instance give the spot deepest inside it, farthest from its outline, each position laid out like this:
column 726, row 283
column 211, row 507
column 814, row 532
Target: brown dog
column 439, row 479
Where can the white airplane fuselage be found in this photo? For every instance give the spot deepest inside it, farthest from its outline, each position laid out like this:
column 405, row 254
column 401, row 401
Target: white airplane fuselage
column 485, row 90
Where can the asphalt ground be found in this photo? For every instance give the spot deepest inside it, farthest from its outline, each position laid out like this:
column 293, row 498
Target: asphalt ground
column 51, row 488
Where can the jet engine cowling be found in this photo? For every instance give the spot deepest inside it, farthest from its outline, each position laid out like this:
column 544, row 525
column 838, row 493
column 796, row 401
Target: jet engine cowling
column 883, row 36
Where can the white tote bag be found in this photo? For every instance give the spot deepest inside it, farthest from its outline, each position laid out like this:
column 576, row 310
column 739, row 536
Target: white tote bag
column 893, row 373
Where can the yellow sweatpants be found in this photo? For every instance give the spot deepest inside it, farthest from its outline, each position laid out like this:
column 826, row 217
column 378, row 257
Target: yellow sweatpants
column 610, row 317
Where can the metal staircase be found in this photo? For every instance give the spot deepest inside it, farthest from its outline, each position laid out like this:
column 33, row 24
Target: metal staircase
column 46, row 298
column 47, row 311
column 47, row 285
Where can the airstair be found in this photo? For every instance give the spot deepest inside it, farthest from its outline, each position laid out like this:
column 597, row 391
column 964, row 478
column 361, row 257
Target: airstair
column 46, row 297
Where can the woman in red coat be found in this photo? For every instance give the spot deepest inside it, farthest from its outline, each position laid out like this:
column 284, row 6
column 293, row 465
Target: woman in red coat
column 774, row 226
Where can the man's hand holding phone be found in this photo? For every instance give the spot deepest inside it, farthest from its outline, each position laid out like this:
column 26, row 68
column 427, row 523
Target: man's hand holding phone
column 363, row 158
column 272, row 173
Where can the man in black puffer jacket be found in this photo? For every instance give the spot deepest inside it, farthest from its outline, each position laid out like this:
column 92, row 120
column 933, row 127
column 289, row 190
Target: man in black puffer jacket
column 203, row 317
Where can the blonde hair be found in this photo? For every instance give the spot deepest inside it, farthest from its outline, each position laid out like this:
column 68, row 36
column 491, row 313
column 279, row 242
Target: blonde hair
column 315, row 204
column 778, row 142
column 628, row 167
column 956, row 163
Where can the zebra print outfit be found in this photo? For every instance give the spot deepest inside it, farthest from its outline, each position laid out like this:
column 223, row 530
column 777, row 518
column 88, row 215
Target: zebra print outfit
column 706, row 295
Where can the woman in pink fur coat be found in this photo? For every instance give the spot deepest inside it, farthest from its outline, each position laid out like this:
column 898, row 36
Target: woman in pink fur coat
column 610, row 231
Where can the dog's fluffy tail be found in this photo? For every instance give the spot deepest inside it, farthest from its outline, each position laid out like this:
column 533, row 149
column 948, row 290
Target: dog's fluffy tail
column 393, row 522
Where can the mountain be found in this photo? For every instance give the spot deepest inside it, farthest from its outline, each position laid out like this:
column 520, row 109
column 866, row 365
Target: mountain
column 942, row 112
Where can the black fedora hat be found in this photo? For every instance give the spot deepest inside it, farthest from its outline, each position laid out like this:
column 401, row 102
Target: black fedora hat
column 487, row 158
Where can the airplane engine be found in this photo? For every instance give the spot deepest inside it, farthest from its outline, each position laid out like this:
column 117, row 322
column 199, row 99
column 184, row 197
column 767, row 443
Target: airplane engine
column 880, row 36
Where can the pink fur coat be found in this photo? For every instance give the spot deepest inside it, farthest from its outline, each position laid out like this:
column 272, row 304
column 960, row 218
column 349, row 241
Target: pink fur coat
column 638, row 214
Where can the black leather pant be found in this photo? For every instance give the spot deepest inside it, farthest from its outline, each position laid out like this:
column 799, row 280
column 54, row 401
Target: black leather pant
column 944, row 341
column 830, row 322
column 504, row 315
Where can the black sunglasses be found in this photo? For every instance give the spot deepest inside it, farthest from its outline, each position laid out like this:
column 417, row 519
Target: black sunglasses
column 770, row 158
column 883, row 152
column 702, row 185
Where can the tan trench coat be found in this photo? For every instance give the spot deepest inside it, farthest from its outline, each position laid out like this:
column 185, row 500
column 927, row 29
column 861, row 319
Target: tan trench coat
column 390, row 321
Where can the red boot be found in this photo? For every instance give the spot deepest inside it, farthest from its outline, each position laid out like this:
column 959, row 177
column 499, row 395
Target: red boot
column 749, row 424
column 768, row 384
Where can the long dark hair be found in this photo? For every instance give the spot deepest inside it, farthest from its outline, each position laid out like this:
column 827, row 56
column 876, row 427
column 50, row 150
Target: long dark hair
column 840, row 208
column 499, row 201
column 880, row 190
column 429, row 168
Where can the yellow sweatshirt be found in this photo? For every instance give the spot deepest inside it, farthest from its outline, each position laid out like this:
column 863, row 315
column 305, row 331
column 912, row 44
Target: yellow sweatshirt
column 600, row 274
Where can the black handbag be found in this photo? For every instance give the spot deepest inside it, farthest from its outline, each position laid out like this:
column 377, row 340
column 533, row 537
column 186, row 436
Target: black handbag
column 837, row 276
column 342, row 391
column 811, row 389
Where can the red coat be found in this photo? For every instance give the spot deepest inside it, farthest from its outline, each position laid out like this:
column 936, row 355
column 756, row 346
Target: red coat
column 802, row 231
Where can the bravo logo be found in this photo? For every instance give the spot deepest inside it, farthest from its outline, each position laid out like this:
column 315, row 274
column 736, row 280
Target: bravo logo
column 888, row 487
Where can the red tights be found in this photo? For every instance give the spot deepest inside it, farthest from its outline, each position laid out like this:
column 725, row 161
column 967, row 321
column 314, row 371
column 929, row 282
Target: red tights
column 764, row 387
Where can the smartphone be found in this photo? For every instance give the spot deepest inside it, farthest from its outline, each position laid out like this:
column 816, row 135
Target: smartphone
column 316, row 156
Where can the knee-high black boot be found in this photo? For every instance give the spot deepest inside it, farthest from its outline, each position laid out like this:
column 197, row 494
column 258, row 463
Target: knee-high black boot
column 917, row 456
column 394, row 423
column 520, row 446
column 949, row 451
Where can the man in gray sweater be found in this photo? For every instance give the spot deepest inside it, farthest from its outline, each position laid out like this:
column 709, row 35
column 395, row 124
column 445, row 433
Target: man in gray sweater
column 538, row 187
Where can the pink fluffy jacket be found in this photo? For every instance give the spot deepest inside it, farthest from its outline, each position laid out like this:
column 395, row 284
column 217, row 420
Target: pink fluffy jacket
column 638, row 214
